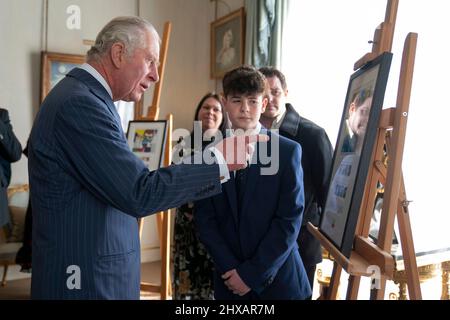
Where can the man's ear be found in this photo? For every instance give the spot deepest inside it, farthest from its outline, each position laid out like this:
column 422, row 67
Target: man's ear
column 117, row 54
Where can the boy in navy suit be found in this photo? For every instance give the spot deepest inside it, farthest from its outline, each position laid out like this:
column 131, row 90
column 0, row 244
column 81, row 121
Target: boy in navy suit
column 251, row 228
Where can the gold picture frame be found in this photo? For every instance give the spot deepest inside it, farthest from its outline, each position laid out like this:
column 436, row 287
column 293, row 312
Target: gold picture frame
column 54, row 66
column 227, row 43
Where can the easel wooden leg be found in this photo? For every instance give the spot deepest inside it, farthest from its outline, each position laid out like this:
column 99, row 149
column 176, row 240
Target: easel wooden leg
column 166, row 284
column 334, row 283
column 353, row 287
column 159, row 227
column 163, row 228
column 406, row 240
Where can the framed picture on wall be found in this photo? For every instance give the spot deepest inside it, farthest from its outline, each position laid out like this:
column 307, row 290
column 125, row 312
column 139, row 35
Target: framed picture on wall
column 353, row 152
column 54, row 67
column 147, row 140
column 227, row 43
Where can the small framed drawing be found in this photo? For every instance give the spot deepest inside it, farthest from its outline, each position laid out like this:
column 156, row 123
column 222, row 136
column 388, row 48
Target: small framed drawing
column 227, row 43
column 353, row 152
column 147, row 140
column 54, row 68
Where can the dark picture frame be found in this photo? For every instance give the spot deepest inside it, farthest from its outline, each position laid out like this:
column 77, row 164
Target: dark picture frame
column 227, row 43
column 147, row 140
column 353, row 152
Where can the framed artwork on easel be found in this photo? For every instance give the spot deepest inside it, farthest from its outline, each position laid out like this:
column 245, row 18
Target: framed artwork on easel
column 147, row 140
column 357, row 135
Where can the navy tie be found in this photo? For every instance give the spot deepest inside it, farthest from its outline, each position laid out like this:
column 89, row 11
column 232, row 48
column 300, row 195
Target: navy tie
column 240, row 180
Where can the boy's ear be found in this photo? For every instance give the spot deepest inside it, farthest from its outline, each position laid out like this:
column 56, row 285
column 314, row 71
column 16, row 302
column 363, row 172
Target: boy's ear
column 224, row 100
column 265, row 101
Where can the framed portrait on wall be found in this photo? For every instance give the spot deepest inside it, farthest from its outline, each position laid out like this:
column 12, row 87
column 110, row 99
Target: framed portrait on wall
column 147, row 140
column 227, row 43
column 353, row 152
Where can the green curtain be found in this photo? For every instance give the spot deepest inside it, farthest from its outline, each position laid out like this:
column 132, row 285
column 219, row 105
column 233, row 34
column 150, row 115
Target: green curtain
column 264, row 31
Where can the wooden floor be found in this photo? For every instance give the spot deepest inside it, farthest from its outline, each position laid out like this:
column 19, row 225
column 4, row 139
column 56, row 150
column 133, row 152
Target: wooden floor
column 20, row 289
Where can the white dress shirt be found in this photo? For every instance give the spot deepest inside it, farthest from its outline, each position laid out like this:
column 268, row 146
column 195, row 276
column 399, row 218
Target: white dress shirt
column 93, row 72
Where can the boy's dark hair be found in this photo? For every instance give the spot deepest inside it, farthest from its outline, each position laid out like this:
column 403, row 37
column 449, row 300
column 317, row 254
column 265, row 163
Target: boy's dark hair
column 244, row 80
column 270, row 72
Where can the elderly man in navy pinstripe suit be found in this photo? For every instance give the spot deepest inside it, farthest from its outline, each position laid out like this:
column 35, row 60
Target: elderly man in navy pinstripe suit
column 87, row 188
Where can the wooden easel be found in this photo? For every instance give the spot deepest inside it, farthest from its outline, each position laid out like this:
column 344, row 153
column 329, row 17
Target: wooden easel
column 391, row 132
column 162, row 218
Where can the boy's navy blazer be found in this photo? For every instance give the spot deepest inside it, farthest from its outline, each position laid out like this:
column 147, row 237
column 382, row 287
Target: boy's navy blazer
column 260, row 242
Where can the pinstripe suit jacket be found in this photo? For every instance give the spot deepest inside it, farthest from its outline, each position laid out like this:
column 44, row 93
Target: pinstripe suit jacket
column 87, row 189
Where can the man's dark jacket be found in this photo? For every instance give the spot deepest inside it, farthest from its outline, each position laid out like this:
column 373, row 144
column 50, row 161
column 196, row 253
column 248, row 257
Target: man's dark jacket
column 316, row 162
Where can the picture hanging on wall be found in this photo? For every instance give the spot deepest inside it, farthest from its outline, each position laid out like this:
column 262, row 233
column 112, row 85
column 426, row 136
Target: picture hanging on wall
column 227, row 43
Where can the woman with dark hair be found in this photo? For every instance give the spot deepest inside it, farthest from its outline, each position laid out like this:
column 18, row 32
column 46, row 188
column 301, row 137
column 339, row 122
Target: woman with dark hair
column 193, row 268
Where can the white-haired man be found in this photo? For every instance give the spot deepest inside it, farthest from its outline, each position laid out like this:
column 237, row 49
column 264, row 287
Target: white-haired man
column 87, row 188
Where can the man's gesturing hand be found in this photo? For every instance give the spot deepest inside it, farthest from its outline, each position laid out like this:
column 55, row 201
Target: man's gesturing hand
column 237, row 150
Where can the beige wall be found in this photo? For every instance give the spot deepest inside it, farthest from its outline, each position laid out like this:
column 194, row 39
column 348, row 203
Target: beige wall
column 94, row 15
